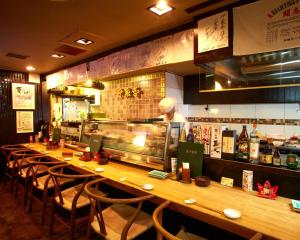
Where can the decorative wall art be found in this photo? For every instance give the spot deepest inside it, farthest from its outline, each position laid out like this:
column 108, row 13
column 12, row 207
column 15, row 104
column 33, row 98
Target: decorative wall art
column 23, row 96
column 213, row 32
column 24, row 121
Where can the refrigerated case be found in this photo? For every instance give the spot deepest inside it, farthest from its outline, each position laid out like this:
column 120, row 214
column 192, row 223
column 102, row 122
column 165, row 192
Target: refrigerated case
column 140, row 143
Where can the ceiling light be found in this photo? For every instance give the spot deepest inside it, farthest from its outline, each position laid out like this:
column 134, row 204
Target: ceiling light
column 56, row 55
column 161, row 8
column 84, row 41
column 30, row 68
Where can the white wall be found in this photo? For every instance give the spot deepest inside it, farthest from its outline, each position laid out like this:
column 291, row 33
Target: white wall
column 255, row 111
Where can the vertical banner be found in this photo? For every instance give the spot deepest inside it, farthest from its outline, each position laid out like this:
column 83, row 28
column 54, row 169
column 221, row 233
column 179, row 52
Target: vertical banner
column 265, row 26
column 213, row 32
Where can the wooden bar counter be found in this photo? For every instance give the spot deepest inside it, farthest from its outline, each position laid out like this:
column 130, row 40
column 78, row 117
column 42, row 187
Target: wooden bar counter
column 275, row 219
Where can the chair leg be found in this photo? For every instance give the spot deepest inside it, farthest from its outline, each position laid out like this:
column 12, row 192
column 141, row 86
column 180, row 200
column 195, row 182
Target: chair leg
column 12, row 180
column 30, row 198
column 73, row 218
column 45, row 201
column 26, row 192
column 52, row 218
column 89, row 232
column 17, row 185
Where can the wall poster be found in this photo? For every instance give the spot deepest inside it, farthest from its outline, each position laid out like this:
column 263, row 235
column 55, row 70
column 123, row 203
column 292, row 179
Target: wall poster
column 23, row 96
column 265, row 26
column 24, row 121
column 213, row 32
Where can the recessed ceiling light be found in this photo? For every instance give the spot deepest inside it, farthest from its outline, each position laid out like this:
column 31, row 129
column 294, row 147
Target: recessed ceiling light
column 30, row 68
column 161, row 8
column 57, row 55
column 84, row 41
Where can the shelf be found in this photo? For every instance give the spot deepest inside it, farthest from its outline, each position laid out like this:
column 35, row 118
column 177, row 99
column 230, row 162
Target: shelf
column 254, row 167
column 76, row 96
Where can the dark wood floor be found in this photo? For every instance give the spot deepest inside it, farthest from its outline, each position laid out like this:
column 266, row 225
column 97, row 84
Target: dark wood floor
column 17, row 224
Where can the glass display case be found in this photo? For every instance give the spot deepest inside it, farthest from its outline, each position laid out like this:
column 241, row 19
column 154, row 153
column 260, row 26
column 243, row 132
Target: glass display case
column 140, row 143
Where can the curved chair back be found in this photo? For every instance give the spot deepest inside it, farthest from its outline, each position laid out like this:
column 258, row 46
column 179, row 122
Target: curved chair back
column 96, row 197
column 163, row 233
column 8, row 149
column 157, row 220
column 57, row 172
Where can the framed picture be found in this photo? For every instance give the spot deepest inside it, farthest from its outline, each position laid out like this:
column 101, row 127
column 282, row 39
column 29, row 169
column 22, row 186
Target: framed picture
column 24, row 121
column 23, row 96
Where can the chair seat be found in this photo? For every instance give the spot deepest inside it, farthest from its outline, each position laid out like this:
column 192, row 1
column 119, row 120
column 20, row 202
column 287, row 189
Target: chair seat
column 68, row 196
column 40, row 170
column 116, row 216
column 42, row 180
column 187, row 235
column 11, row 163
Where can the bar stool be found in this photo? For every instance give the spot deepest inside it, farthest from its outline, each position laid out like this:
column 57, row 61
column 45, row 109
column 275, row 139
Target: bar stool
column 119, row 220
column 163, row 233
column 71, row 199
column 40, row 183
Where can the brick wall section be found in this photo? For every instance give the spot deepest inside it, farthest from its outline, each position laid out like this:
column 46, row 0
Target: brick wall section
column 118, row 108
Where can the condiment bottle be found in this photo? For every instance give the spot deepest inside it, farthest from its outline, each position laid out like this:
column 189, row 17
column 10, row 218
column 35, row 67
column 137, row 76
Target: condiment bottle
column 276, row 157
column 186, row 173
column 254, row 146
column 243, row 145
column 267, row 156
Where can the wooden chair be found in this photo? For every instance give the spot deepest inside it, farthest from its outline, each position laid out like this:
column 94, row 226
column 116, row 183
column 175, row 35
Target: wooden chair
column 163, row 233
column 71, row 199
column 38, row 183
column 119, row 220
column 22, row 158
column 182, row 234
column 8, row 171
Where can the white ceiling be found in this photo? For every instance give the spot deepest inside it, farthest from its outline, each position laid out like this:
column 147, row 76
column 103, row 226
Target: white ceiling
column 36, row 27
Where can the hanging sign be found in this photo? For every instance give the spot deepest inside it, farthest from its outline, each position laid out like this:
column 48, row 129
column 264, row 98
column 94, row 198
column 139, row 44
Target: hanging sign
column 265, row 26
column 213, row 32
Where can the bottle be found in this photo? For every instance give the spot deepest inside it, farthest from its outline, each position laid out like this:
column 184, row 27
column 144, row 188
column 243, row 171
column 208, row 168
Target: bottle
column 276, row 157
column 228, row 144
column 182, row 135
column 267, row 153
column 254, row 146
column 243, row 145
column 190, row 136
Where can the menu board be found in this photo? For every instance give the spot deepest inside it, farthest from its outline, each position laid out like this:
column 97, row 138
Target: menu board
column 213, row 32
column 24, row 121
column 265, row 26
column 23, row 96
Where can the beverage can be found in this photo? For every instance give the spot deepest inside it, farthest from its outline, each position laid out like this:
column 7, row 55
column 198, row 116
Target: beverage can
column 247, row 180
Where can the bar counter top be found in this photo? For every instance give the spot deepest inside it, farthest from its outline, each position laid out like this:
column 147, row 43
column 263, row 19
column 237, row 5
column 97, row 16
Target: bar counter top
column 275, row 219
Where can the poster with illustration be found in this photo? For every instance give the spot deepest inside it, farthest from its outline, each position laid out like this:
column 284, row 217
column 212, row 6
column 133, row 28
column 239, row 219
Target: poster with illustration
column 23, row 96
column 24, row 121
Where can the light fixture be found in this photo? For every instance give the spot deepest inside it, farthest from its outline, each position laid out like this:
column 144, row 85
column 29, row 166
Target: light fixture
column 57, row 55
column 89, row 83
column 30, row 68
column 84, row 41
column 161, row 8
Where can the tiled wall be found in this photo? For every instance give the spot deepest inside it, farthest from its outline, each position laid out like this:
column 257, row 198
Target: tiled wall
column 118, row 108
column 273, row 119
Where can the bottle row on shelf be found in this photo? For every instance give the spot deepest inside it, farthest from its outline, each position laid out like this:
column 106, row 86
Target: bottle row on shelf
column 220, row 142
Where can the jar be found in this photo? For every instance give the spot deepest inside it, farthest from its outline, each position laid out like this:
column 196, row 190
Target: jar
column 292, row 161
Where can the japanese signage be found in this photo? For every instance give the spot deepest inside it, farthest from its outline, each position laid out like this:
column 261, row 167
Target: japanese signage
column 213, row 32
column 265, row 26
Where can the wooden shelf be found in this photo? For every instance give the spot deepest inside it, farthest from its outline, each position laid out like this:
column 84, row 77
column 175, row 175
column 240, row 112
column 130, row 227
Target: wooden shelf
column 255, row 167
